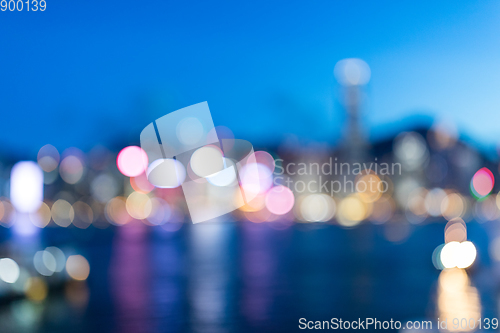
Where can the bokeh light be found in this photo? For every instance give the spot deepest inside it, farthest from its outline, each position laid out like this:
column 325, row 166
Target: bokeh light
column 411, row 149
column 482, row 183
column 141, row 183
column 166, row 173
column 436, row 257
column 84, row 215
column 453, row 205
column 317, row 208
column 352, row 210
column 352, row 72
column 207, row 161
column 160, row 212
column 26, row 186
column 455, row 231
column 224, row 177
column 256, row 204
column 461, row 255
column 138, row 205
column 370, row 187
column 60, row 258
column 433, row 201
column 486, row 209
column 42, row 216
column 36, row 289
column 225, row 136
column 116, row 211
column 45, row 263
column 189, row 131
column 132, row 161
column 9, row 270
column 78, row 267
column 255, row 178
column 48, row 158
column 280, row 200
column 71, row 169
column 264, row 158
column 62, row 213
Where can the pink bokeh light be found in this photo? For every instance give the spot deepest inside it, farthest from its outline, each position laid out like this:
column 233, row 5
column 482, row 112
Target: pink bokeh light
column 279, row 200
column 483, row 182
column 132, row 161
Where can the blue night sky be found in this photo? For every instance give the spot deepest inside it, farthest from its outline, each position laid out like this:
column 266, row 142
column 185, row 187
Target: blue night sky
column 88, row 72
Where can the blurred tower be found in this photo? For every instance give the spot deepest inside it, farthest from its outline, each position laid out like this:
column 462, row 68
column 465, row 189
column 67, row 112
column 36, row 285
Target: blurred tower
column 352, row 74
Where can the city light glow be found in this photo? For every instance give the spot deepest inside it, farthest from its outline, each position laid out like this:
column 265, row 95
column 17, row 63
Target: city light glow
column 26, row 186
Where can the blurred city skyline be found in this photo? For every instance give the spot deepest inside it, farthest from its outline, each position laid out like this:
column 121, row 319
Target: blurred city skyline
column 81, row 74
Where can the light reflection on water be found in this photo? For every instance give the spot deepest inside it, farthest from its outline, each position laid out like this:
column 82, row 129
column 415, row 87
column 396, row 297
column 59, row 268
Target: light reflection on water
column 239, row 277
column 258, row 273
column 130, row 273
column 211, row 277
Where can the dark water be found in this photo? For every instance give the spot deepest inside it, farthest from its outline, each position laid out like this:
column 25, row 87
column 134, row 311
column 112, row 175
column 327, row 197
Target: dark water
column 245, row 277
